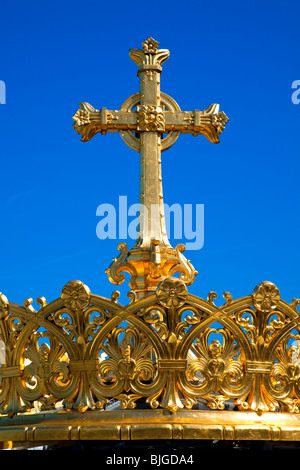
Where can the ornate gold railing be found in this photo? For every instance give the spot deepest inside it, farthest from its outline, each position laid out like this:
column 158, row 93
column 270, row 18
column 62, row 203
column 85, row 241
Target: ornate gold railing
column 170, row 350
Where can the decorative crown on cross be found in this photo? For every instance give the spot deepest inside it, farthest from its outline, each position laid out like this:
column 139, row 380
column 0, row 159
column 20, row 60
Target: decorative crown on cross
column 152, row 128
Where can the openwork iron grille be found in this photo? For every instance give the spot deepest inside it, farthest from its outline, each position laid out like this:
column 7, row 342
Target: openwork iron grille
column 170, row 349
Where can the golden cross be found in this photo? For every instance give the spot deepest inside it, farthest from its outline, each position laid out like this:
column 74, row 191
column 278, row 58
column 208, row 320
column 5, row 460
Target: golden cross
column 150, row 122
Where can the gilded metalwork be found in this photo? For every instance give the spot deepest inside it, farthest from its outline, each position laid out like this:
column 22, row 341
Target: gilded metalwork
column 150, row 122
column 150, row 46
column 80, row 366
column 266, row 296
column 172, row 349
column 171, row 293
column 150, row 118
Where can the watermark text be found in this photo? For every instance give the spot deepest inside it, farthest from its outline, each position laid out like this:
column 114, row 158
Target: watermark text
column 2, row 92
column 181, row 222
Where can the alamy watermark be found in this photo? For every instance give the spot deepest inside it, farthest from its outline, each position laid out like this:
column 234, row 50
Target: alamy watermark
column 2, row 92
column 125, row 222
column 296, row 94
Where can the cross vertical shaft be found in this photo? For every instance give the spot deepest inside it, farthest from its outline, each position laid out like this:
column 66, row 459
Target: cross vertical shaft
column 150, row 124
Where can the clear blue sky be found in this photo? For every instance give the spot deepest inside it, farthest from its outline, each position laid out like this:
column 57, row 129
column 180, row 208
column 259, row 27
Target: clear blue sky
column 243, row 55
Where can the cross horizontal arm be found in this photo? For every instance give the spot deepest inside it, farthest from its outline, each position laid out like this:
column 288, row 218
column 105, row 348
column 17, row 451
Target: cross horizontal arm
column 209, row 122
column 90, row 121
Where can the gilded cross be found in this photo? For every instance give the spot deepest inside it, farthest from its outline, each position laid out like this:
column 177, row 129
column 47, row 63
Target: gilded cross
column 150, row 122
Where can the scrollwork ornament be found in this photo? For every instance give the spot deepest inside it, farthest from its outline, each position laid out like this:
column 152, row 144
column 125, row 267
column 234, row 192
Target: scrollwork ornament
column 294, row 304
column 155, row 316
column 187, row 270
column 128, row 366
column 46, row 374
column 94, row 318
column 211, row 297
column 193, row 318
column 216, row 367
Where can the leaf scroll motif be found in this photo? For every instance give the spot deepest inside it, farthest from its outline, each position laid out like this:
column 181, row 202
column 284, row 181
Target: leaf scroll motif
column 129, row 362
column 216, row 367
column 283, row 383
column 47, row 370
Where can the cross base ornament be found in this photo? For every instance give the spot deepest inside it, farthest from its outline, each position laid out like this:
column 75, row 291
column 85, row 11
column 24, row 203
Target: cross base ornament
column 150, row 122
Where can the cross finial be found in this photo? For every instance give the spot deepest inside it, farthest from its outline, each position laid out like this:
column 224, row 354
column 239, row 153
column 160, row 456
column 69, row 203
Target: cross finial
column 150, row 46
column 150, row 122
